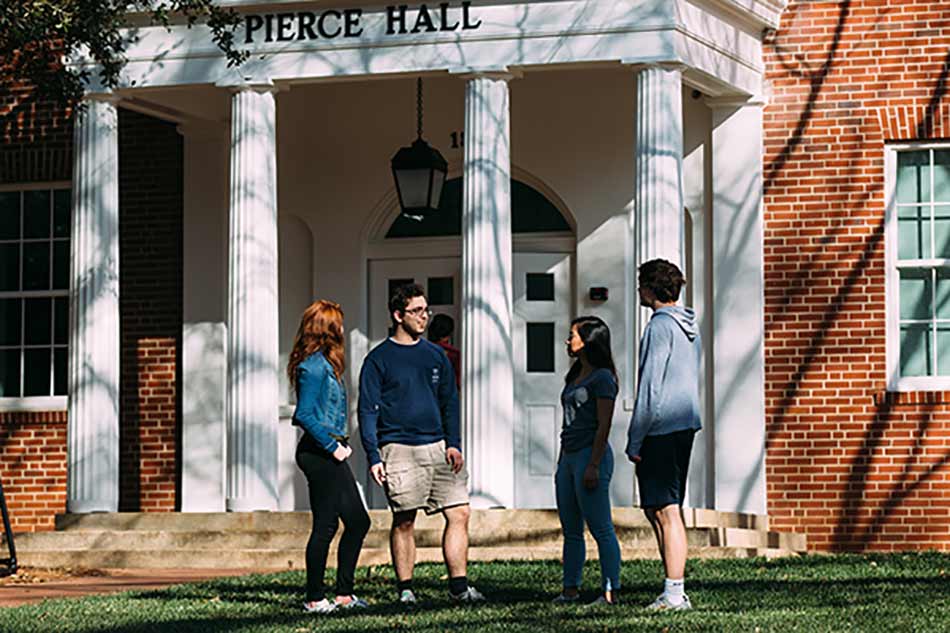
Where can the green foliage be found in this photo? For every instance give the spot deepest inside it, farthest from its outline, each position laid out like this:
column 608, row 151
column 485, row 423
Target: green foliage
column 899, row 592
column 35, row 35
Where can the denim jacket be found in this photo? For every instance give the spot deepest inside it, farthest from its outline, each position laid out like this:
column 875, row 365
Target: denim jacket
column 321, row 402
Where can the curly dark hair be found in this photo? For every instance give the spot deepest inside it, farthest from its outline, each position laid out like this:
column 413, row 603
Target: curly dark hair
column 663, row 278
column 402, row 296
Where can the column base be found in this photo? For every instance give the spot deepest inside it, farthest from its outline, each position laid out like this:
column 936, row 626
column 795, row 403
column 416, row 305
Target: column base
column 85, row 506
column 482, row 501
column 250, row 504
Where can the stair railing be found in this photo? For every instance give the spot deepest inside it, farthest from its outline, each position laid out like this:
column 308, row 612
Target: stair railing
column 8, row 566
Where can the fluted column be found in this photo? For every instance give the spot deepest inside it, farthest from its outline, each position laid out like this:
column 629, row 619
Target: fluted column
column 252, row 303
column 487, row 362
column 92, row 472
column 659, row 222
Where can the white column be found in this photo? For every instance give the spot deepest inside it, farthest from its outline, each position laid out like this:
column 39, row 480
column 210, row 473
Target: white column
column 92, row 473
column 252, row 398
column 738, row 303
column 658, row 225
column 487, row 362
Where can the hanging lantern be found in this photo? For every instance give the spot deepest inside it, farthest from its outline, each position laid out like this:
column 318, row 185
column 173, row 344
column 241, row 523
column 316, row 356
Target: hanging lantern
column 419, row 171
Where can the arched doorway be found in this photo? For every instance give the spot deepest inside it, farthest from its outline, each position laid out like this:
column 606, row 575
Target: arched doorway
column 428, row 252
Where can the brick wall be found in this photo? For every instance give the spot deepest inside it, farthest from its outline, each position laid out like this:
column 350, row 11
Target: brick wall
column 33, row 468
column 33, row 445
column 150, row 278
column 35, row 137
column 849, row 464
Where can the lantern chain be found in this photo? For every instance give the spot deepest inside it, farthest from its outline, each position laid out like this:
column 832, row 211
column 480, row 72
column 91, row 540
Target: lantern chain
column 419, row 106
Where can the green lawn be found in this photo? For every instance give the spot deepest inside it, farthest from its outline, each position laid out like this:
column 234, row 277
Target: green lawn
column 901, row 592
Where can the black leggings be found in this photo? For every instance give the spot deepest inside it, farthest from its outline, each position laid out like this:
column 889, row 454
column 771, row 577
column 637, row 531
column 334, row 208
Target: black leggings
column 333, row 497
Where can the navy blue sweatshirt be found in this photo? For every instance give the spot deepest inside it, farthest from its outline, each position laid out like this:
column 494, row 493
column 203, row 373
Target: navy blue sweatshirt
column 407, row 396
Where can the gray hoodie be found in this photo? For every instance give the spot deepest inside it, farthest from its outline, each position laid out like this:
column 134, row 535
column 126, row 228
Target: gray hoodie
column 668, row 387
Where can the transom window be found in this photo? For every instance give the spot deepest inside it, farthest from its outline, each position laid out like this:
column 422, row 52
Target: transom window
column 531, row 212
column 34, row 292
column 920, row 193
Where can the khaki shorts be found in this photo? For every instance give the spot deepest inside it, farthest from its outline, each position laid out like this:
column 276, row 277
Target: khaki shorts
column 419, row 477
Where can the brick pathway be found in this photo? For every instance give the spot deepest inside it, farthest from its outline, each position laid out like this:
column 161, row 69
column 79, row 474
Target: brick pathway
column 13, row 592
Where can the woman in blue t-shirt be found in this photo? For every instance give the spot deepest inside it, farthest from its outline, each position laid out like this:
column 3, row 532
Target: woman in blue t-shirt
column 586, row 462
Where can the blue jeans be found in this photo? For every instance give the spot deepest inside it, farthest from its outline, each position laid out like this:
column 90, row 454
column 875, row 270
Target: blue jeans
column 577, row 505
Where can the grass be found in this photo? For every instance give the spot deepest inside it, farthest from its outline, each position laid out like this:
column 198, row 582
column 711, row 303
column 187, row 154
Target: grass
column 895, row 592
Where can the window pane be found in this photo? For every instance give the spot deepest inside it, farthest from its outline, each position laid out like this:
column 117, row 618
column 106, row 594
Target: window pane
column 10, row 215
column 540, row 347
column 942, row 230
column 36, row 372
column 61, row 321
column 913, row 232
column 39, row 321
column 915, row 350
column 10, row 321
column 942, row 175
column 36, row 266
column 60, row 359
column 9, row 373
column 36, row 212
column 539, row 286
column 62, row 202
column 61, row 265
column 441, row 291
column 9, row 267
column 913, row 176
column 915, row 295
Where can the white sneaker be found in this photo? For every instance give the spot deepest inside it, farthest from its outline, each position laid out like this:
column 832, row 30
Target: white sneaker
column 662, row 603
column 321, row 606
column 471, row 594
column 407, row 598
column 352, row 603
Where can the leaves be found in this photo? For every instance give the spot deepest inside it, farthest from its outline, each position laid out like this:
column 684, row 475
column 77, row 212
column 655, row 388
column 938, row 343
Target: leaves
column 36, row 34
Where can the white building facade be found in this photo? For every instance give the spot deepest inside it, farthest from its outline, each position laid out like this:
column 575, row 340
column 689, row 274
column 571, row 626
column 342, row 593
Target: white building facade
column 583, row 137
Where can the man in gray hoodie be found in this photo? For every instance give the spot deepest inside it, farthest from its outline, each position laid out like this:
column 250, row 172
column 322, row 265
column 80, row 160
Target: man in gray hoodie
column 665, row 419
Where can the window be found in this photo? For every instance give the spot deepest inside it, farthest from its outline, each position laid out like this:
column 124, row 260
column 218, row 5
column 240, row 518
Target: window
column 34, row 292
column 918, row 238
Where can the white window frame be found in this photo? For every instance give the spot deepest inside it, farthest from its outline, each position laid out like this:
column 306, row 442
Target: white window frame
column 36, row 403
column 895, row 382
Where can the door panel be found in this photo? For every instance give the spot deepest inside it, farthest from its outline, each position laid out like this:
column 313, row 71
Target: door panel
column 542, row 316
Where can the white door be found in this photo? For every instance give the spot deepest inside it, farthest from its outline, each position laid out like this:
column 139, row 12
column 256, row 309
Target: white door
column 542, row 318
column 440, row 278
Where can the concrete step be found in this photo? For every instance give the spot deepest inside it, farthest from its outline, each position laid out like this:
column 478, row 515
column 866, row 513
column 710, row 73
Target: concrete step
column 233, row 540
column 276, row 540
column 482, row 519
column 283, row 559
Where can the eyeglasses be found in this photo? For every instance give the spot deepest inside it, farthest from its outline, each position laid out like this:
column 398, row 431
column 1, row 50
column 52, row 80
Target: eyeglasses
column 418, row 312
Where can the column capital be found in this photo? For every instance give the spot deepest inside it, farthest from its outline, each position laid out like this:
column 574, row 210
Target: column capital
column 102, row 97
column 500, row 73
column 245, row 84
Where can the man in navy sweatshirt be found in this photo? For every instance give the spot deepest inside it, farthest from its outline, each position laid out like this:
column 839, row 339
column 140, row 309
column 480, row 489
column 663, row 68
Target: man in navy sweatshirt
column 409, row 424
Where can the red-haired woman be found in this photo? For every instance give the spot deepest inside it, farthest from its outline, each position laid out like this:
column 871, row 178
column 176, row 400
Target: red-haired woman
column 316, row 369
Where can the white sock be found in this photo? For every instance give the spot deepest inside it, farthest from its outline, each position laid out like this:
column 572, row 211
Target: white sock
column 673, row 589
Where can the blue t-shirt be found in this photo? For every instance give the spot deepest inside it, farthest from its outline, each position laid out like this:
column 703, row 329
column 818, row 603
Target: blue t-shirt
column 580, row 408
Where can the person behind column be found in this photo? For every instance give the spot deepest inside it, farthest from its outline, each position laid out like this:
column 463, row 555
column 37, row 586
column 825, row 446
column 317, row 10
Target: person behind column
column 586, row 463
column 440, row 333
column 409, row 424
column 665, row 419
column 316, row 369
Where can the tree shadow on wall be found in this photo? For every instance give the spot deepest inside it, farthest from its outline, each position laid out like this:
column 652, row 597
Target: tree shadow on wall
column 860, row 520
